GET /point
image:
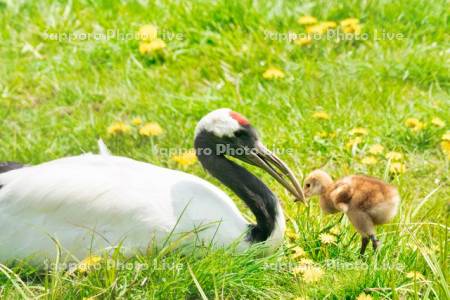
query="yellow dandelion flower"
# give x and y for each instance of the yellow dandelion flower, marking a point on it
(445, 146)
(157, 44)
(136, 121)
(395, 156)
(303, 41)
(316, 29)
(351, 25)
(151, 129)
(369, 160)
(397, 168)
(438, 122)
(349, 22)
(332, 134)
(307, 20)
(335, 230)
(297, 252)
(324, 134)
(355, 29)
(326, 238)
(86, 264)
(359, 131)
(118, 128)
(414, 124)
(328, 24)
(148, 33)
(321, 134)
(355, 141)
(186, 159)
(144, 48)
(419, 127)
(306, 262)
(376, 149)
(291, 234)
(415, 275)
(321, 115)
(446, 136)
(273, 73)
(312, 274)
(152, 47)
(364, 297)
(303, 265)
(300, 298)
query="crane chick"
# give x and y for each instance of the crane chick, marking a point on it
(367, 201)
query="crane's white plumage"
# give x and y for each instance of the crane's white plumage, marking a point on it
(92, 202)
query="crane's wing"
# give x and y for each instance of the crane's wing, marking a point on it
(97, 201)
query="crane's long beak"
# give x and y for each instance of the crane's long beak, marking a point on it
(263, 158)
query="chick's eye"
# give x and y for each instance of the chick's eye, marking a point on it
(308, 185)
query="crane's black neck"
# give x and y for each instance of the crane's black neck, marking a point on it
(256, 195)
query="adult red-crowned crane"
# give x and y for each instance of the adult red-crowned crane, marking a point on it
(91, 202)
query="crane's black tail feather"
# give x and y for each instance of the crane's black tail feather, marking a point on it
(9, 166)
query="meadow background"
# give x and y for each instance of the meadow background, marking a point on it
(342, 105)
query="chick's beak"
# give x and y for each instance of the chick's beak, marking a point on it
(263, 158)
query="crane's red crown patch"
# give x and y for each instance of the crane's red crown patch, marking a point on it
(241, 120)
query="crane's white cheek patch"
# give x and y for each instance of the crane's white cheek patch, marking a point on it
(218, 122)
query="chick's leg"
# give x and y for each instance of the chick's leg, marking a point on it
(363, 224)
(375, 242)
(364, 242)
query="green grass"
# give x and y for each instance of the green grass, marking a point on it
(58, 100)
